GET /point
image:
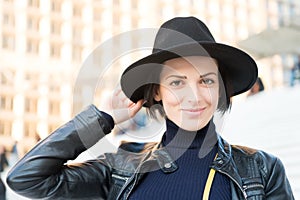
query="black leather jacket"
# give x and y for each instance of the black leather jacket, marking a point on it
(43, 172)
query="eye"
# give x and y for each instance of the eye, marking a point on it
(207, 81)
(176, 83)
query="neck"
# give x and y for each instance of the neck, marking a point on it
(175, 137)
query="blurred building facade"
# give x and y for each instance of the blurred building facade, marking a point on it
(43, 44)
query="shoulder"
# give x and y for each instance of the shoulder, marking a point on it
(266, 162)
(259, 167)
(248, 152)
(251, 152)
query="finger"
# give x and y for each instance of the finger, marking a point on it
(135, 107)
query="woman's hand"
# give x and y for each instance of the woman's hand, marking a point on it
(122, 108)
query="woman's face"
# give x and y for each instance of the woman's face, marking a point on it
(189, 91)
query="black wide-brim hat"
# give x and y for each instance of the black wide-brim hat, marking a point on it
(188, 36)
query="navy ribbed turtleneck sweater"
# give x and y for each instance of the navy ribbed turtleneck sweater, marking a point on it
(188, 181)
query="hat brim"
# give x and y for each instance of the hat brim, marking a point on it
(240, 67)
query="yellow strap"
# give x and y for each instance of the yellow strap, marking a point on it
(208, 184)
(209, 181)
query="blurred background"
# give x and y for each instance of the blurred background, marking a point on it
(44, 44)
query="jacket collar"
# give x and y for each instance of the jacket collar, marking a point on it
(158, 154)
(168, 164)
(224, 162)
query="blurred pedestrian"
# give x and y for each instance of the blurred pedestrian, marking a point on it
(295, 72)
(188, 78)
(2, 190)
(257, 87)
(3, 165)
(3, 159)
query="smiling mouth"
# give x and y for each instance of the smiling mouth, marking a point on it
(194, 110)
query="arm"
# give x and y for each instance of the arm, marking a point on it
(42, 173)
(5, 160)
(278, 186)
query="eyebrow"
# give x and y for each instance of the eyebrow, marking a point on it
(185, 77)
(207, 74)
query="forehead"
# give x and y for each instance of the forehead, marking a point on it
(193, 64)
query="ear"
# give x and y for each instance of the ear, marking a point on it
(157, 96)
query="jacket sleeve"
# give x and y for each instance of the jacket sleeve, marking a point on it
(277, 184)
(43, 172)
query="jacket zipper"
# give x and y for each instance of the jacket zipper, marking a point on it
(120, 177)
(132, 186)
(254, 185)
(241, 188)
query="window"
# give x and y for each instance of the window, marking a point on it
(7, 77)
(8, 41)
(56, 5)
(30, 129)
(55, 49)
(116, 2)
(6, 103)
(54, 107)
(33, 23)
(135, 4)
(30, 105)
(32, 46)
(34, 3)
(77, 10)
(9, 1)
(55, 27)
(30, 76)
(3, 78)
(5, 127)
(9, 19)
(54, 88)
(31, 79)
(2, 102)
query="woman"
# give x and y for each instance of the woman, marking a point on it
(3, 164)
(2, 190)
(3, 159)
(182, 80)
(256, 88)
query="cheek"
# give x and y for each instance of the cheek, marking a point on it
(169, 98)
(211, 96)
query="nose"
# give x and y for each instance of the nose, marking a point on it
(198, 93)
(194, 93)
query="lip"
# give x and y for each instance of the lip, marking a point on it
(193, 111)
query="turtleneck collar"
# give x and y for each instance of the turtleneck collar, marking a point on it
(175, 137)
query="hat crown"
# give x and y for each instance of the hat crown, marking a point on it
(181, 30)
